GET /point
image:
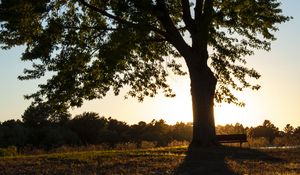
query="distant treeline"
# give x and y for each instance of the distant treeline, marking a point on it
(40, 130)
(86, 129)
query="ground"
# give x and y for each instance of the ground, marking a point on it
(169, 160)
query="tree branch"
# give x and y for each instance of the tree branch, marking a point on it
(105, 13)
(203, 15)
(207, 12)
(116, 18)
(199, 9)
(90, 27)
(173, 34)
(187, 18)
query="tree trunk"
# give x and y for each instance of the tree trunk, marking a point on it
(203, 85)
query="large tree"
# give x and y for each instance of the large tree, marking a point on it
(93, 46)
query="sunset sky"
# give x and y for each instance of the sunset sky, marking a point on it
(278, 100)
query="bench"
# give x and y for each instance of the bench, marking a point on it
(232, 138)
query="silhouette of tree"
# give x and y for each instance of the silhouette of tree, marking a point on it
(89, 127)
(94, 46)
(289, 137)
(36, 116)
(59, 136)
(182, 131)
(297, 134)
(13, 133)
(288, 129)
(160, 131)
(267, 130)
(43, 114)
(297, 131)
(116, 132)
(136, 133)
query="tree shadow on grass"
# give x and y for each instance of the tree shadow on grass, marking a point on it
(212, 161)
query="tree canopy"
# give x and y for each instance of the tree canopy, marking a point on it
(91, 47)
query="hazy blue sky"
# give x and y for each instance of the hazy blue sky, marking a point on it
(278, 100)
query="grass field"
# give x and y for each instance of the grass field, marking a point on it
(170, 160)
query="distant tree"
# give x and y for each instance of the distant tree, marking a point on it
(157, 131)
(13, 133)
(297, 134)
(239, 128)
(36, 116)
(297, 131)
(231, 129)
(136, 133)
(117, 132)
(94, 46)
(182, 131)
(267, 130)
(59, 136)
(89, 127)
(60, 118)
(289, 136)
(288, 129)
(269, 124)
(43, 114)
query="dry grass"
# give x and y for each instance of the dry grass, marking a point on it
(170, 160)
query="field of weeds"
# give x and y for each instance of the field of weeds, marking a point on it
(169, 160)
